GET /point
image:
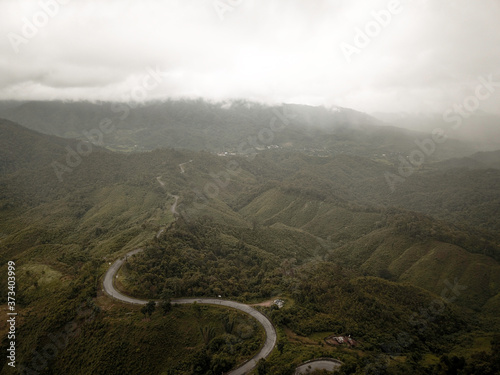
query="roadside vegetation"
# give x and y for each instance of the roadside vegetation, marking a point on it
(323, 233)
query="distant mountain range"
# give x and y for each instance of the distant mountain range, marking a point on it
(236, 127)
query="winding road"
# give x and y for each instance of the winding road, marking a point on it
(246, 367)
(173, 208)
(181, 166)
(327, 364)
(271, 336)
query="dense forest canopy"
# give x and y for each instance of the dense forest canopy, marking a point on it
(411, 274)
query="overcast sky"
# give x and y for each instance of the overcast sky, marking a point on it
(426, 57)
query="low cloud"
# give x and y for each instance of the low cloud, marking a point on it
(426, 58)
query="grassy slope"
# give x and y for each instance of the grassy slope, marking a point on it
(427, 264)
(356, 241)
(123, 341)
(287, 205)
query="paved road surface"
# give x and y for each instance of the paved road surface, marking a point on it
(173, 209)
(181, 166)
(320, 364)
(271, 336)
(160, 181)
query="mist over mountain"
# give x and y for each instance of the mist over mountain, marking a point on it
(480, 128)
(236, 126)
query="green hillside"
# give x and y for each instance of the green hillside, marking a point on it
(412, 275)
(238, 127)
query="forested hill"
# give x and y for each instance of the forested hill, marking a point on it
(324, 232)
(479, 160)
(24, 148)
(237, 126)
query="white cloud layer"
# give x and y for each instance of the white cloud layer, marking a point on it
(427, 57)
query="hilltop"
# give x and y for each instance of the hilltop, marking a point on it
(326, 233)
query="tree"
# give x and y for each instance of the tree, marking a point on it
(208, 333)
(262, 367)
(228, 322)
(201, 362)
(166, 306)
(221, 363)
(149, 308)
(281, 346)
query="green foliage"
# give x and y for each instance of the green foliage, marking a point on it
(166, 306)
(323, 233)
(201, 125)
(208, 333)
(262, 367)
(149, 308)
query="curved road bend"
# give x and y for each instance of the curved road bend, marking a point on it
(271, 336)
(181, 166)
(173, 208)
(318, 364)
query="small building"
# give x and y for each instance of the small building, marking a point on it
(340, 340)
(279, 302)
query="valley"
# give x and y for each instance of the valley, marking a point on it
(412, 275)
